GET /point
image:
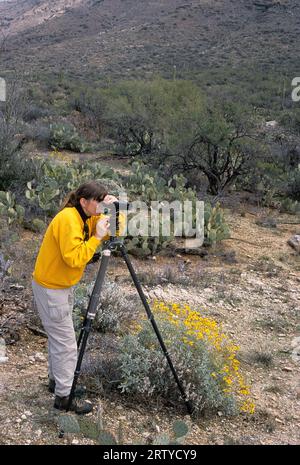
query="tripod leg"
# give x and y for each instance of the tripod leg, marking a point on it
(154, 325)
(89, 317)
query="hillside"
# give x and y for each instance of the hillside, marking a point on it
(117, 38)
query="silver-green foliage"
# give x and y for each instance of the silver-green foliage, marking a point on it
(145, 371)
(113, 306)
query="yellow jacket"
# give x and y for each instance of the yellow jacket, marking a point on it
(64, 254)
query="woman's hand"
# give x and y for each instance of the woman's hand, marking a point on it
(110, 199)
(102, 228)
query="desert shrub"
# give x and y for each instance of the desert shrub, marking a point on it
(139, 112)
(288, 205)
(293, 185)
(38, 131)
(34, 112)
(204, 358)
(11, 124)
(114, 307)
(65, 136)
(5, 268)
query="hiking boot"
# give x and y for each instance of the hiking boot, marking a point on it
(81, 407)
(79, 390)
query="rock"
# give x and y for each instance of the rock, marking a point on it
(273, 123)
(23, 417)
(294, 242)
(266, 222)
(16, 287)
(289, 369)
(39, 357)
(75, 441)
(279, 421)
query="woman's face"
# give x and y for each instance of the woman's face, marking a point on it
(89, 206)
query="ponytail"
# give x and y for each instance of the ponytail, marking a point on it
(69, 201)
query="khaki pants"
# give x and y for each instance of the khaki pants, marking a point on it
(55, 310)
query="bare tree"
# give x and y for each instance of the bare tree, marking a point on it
(11, 119)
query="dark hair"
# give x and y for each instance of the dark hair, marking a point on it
(88, 190)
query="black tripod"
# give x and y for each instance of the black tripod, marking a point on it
(116, 244)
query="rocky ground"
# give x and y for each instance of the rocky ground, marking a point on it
(249, 283)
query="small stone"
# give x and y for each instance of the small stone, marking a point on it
(24, 417)
(220, 414)
(28, 413)
(289, 369)
(279, 421)
(75, 441)
(38, 433)
(31, 358)
(39, 357)
(18, 420)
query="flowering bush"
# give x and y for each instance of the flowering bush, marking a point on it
(203, 356)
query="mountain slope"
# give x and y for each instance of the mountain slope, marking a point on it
(119, 38)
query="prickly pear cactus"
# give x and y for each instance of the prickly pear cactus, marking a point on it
(11, 211)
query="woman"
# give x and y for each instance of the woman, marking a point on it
(69, 243)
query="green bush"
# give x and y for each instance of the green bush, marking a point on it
(290, 206)
(65, 136)
(293, 186)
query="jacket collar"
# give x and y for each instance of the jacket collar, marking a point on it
(79, 208)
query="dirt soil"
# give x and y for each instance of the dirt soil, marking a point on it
(249, 283)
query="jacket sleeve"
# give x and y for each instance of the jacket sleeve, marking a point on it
(75, 252)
